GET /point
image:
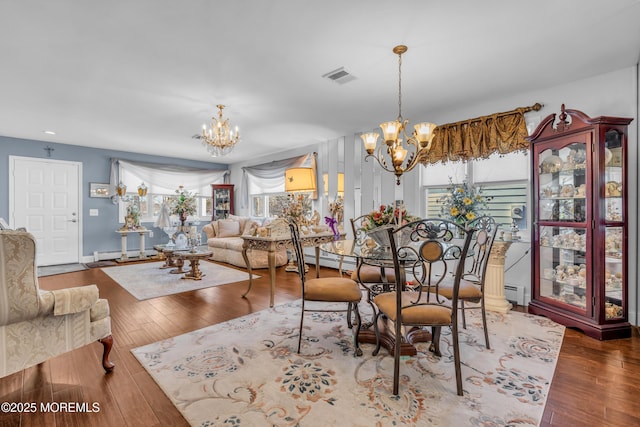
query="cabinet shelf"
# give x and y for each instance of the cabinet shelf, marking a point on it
(579, 261)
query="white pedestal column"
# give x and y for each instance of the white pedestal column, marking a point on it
(123, 242)
(494, 298)
(143, 255)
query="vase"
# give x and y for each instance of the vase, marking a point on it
(381, 236)
(183, 218)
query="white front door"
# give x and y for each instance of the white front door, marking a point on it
(44, 197)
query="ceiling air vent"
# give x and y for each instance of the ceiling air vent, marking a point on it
(341, 75)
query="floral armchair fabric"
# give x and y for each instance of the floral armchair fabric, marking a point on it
(35, 324)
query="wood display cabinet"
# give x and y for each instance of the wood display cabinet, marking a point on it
(579, 263)
(222, 201)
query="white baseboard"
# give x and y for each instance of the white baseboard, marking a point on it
(104, 256)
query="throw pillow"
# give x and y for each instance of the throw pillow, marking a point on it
(241, 219)
(228, 228)
(250, 229)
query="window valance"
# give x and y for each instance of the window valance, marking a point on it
(166, 176)
(270, 176)
(480, 137)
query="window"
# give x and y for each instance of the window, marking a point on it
(270, 205)
(508, 202)
(159, 180)
(502, 178)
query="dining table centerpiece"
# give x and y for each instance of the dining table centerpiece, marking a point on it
(183, 204)
(377, 222)
(463, 202)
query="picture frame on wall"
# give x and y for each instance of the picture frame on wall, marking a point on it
(97, 189)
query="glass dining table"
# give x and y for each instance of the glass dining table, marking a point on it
(367, 252)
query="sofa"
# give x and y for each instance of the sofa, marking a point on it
(36, 325)
(224, 239)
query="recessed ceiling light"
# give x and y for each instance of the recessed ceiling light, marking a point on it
(49, 132)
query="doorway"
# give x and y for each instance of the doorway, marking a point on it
(44, 198)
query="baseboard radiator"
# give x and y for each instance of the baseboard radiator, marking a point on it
(514, 293)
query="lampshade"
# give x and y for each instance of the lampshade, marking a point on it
(299, 179)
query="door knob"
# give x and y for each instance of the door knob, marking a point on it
(72, 220)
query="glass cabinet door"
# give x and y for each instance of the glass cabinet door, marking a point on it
(563, 266)
(563, 184)
(613, 274)
(222, 201)
(613, 173)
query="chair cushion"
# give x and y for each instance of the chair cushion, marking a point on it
(336, 289)
(371, 274)
(468, 290)
(433, 314)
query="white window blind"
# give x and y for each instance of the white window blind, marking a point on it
(505, 197)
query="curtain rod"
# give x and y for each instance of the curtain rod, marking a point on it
(535, 107)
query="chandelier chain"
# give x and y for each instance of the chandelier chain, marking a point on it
(400, 87)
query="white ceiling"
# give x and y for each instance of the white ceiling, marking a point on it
(144, 75)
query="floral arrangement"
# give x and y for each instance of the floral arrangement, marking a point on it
(463, 202)
(336, 209)
(295, 208)
(387, 214)
(184, 203)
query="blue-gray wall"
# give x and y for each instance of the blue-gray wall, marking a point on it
(98, 231)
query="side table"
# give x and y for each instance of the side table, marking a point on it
(123, 239)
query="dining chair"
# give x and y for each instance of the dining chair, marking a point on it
(429, 254)
(474, 276)
(365, 273)
(326, 289)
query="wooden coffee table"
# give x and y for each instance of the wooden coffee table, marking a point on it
(194, 260)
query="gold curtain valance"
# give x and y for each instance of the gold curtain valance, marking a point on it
(480, 137)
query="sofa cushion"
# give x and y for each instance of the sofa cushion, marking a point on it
(228, 228)
(234, 244)
(242, 220)
(223, 242)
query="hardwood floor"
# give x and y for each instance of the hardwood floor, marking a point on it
(596, 383)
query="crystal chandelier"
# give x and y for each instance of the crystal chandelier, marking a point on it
(219, 139)
(394, 148)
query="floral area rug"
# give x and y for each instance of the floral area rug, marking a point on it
(245, 372)
(147, 280)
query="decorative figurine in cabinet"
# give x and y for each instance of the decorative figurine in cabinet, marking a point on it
(579, 262)
(222, 201)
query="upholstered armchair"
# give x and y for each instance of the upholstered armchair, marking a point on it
(35, 324)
